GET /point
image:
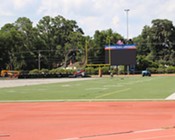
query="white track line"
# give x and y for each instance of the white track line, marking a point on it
(149, 130)
(171, 97)
(152, 138)
(79, 100)
(129, 132)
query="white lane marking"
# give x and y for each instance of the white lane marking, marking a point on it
(149, 130)
(130, 132)
(78, 100)
(152, 138)
(171, 97)
(110, 93)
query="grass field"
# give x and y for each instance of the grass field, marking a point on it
(158, 87)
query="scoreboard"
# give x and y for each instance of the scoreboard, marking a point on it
(120, 54)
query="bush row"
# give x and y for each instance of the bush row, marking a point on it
(89, 70)
(121, 70)
(53, 71)
(94, 71)
(45, 73)
(162, 70)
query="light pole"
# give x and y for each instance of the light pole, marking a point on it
(127, 22)
(127, 28)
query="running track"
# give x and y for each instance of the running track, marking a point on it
(88, 121)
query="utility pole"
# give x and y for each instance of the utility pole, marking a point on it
(86, 48)
(39, 59)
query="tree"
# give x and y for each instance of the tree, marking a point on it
(12, 41)
(143, 42)
(157, 43)
(25, 51)
(5, 46)
(58, 35)
(163, 39)
(100, 39)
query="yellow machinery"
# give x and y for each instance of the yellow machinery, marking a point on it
(10, 73)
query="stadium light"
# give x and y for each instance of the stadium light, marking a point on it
(127, 23)
(127, 26)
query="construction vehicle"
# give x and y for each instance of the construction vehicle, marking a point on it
(10, 73)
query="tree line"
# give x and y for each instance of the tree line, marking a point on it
(22, 44)
(52, 42)
(156, 45)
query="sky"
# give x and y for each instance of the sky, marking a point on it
(92, 15)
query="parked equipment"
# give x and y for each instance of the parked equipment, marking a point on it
(10, 73)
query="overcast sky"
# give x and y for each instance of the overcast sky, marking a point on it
(92, 15)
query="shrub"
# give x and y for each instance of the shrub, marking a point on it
(152, 70)
(160, 70)
(121, 70)
(170, 69)
(105, 70)
(34, 71)
(53, 71)
(44, 71)
(90, 70)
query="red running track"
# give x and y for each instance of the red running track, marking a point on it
(88, 121)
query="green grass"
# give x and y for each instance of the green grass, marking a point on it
(102, 88)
